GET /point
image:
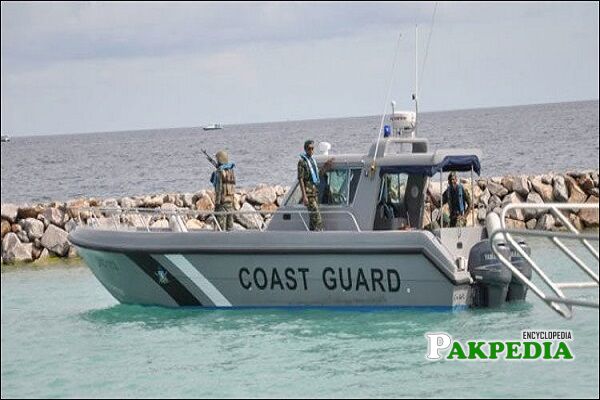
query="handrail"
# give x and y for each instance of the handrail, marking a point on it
(194, 213)
(560, 303)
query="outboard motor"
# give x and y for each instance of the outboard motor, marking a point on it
(490, 275)
(517, 290)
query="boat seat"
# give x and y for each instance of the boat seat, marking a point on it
(176, 224)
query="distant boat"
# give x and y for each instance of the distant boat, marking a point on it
(5, 139)
(213, 127)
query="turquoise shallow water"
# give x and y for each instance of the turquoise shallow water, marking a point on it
(63, 335)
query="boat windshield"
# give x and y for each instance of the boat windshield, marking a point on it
(337, 188)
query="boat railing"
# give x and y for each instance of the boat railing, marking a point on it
(555, 297)
(136, 218)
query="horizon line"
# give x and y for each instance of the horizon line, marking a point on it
(295, 120)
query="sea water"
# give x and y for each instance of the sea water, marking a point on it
(63, 335)
(514, 140)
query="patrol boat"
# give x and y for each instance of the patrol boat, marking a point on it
(213, 127)
(375, 250)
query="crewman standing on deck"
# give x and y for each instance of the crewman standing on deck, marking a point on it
(458, 200)
(223, 179)
(309, 178)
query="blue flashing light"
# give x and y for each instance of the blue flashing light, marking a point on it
(387, 131)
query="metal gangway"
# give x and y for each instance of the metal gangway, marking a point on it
(556, 299)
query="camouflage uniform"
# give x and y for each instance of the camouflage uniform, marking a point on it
(450, 197)
(312, 195)
(224, 197)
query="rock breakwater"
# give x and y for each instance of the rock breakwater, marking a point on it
(35, 232)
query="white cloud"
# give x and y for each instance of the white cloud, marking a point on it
(110, 66)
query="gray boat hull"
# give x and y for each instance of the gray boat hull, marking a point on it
(275, 269)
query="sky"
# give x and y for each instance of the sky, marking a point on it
(78, 67)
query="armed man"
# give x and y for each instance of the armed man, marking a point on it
(309, 178)
(223, 179)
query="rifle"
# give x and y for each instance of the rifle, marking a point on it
(210, 159)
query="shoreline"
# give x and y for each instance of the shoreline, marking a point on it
(34, 234)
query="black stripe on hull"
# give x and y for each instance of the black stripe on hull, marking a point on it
(174, 288)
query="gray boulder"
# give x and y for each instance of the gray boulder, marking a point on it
(170, 198)
(22, 235)
(280, 190)
(74, 208)
(497, 189)
(72, 252)
(44, 256)
(5, 227)
(586, 183)
(521, 185)
(153, 201)
(494, 202)
(547, 179)
(110, 203)
(187, 200)
(70, 226)
(160, 224)
(481, 213)
(508, 182)
(530, 213)
(590, 217)
(33, 227)
(36, 251)
(262, 195)
(250, 219)
(476, 192)
(15, 251)
(194, 225)
(545, 223)
(168, 207)
(9, 212)
(576, 194)
(513, 198)
(577, 174)
(559, 190)
(54, 216)
(204, 203)
(138, 221)
(238, 227)
(542, 189)
(576, 221)
(485, 197)
(594, 176)
(515, 224)
(280, 200)
(55, 240)
(128, 202)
